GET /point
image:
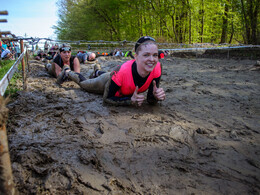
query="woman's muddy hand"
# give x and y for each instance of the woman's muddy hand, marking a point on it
(137, 99)
(158, 93)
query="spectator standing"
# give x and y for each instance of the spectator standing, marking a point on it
(4, 45)
(17, 51)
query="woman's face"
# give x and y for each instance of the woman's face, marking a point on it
(147, 58)
(65, 56)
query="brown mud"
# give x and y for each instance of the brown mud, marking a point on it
(203, 139)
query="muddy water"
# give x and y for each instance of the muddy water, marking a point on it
(203, 139)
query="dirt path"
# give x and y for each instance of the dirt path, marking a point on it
(204, 139)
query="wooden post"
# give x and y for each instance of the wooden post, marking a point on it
(23, 67)
(27, 59)
(5, 33)
(3, 12)
(6, 177)
(3, 20)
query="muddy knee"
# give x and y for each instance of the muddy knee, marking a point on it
(96, 85)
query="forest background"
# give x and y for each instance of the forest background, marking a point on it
(172, 21)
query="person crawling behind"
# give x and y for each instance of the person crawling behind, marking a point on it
(126, 85)
(84, 57)
(63, 59)
(162, 54)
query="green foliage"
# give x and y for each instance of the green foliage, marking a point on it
(178, 21)
(5, 65)
(13, 88)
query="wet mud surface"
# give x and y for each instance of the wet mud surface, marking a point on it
(203, 139)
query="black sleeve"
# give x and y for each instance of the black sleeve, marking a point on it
(57, 59)
(113, 88)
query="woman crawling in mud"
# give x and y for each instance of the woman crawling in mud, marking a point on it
(125, 85)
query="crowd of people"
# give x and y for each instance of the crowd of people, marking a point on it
(9, 49)
(123, 86)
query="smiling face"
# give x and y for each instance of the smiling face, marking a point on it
(146, 58)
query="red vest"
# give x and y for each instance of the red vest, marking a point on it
(124, 79)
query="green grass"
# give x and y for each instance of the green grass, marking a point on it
(12, 88)
(5, 65)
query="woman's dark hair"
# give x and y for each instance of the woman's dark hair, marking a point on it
(141, 40)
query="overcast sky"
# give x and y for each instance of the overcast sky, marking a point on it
(31, 17)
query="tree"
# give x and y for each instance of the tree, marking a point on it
(225, 23)
(250, 10)
(180, 21)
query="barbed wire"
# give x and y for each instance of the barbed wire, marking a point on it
(176, 46)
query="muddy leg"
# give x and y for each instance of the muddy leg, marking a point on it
(95, 85)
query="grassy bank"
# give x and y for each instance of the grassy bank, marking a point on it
(5, 65)
(13, 86)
